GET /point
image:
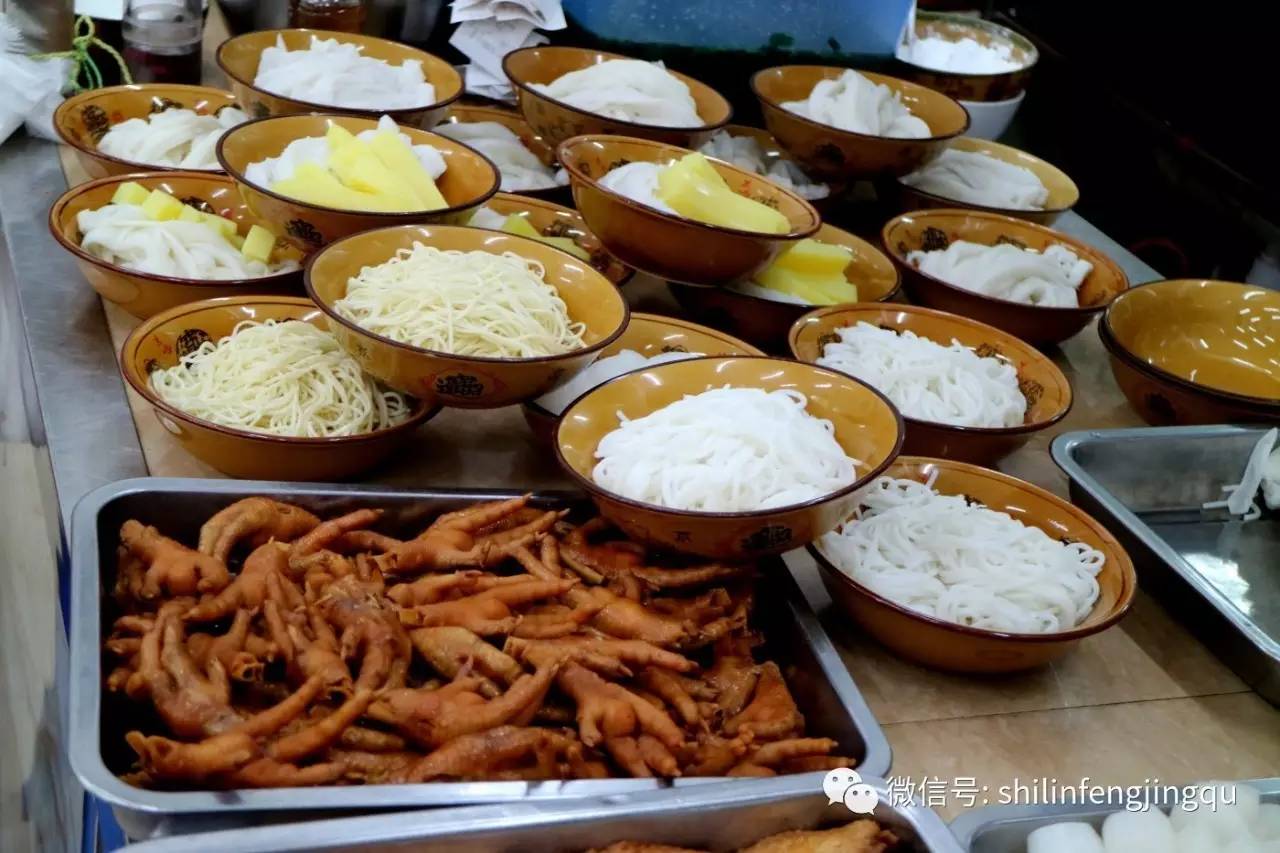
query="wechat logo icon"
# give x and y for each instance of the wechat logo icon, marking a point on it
(844, 785)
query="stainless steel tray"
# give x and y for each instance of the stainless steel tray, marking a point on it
(1004, 829)
(717, 817)
(1221, 578)
(821, 684)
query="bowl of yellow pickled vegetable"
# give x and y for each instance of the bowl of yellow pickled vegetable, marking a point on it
(319, 178)
(832, 267)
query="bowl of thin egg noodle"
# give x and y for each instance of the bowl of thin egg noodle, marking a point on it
(152, 240)
(678, 214)
(1039, 285)
(571, 91)
(467, 317)
(256, 387)
(841, 124)
(966, 569)
(967, 391)
(832, 267)
(320, 178)
(729, 457)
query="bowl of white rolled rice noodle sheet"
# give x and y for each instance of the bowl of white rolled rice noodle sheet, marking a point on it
(967, 391)
(1038, 284)
(525, 161)
(966, 569)
(983, 175)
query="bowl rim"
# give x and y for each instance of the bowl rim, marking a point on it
(524, 86)
(1119, 350)
(576, 175)
(1096, 257)
(1123, 605)
(422, 411)
(1008, 32)
(829, 129)
(329, 108)
(333, 315)
(1004, 211)
(60, 113)
(948, 317)
(55, 215)
(859, 481)
(239, 178)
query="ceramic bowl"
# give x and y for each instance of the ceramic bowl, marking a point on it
(466, 382)
(670, 246)
(766, 322)
(238, 58)
(959, 648)
(773, 152)
(1035, 324)
(965, 86)
(469, 180)
(82, 120)
(1193, 351)
(990, 119)
(556, 121)
(1047, 391)
(649, 335)
(1063, 193)
(829, 153)
(514, 122)
(556, 220)
(143, 294)
(867, 427)
(161, 340)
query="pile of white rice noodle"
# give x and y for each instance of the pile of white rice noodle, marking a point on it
(725, 450)
(977, 178)
(745, 153)
(520, 168)
(854, 103)
(600, 372)
(336, 74)
(927, 381)
(1005, 271)
(628, 90)
(176, 138)
(315, 149)
(941, 556)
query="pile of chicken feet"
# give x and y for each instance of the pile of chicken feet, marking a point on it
(502, 643)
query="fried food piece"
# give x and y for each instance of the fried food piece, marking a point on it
(230, 650)
(430, 589)
(313, 738)
(712, 755)
(375, 768)
(659, 578)
(304, 550)
(162, 758)
(746, 768)
(480, 754)
(612, 655)
(733, 674)
(607, 560)
(817, 763)
(723, 626)
(630, 620)
(361, 739)
(779, 752)
(131, 573)
(772, 712)
(488, 612)
(257, 520)
(363, 541)
(449, 649)
(859, 836)
(269, 773)
(250, 587)
(554, 621)
(194, 702)
(607, 710)
(368, 628)
(670, 688)
(309, 647)
(454, 540)
(643, 756)
(643, 847)
(171, 567)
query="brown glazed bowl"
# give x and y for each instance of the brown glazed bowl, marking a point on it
(766, 322)
(465, 382)
(959, 648)
(143, 294)
(1063, 193)
(555, 121)
(670, 246)
(162, 339)
(1034, 324)
(238, 58)
(83, 119)
(514, 122)
(831, 154)
(1194, 351)
(556, 220)
(866, 426)
(649, 335)
(468, 182)
(973, 87)
(1047, 390)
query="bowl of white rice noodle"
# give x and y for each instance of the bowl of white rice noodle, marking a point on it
(968, 58)
(525, 161)
(256, 387)
(728, 457)
(967, 391)
(1040, 285)
(572, 91)
(966, 569)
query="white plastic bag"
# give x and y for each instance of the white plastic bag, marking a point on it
(30, 89)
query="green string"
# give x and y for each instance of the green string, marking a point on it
(86, 37)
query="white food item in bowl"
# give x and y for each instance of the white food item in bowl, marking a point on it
(336, 74)
(315, 149)
(637, 181)
(750, 288)
(1146, 831)
(600, 372)
(745, 153)
(962, 56)
(177, 138)
(1049, 279)
(854, 103)
(487, 217)
(628, 90)
(1070, 837)
(977, 178)
(520, 168)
